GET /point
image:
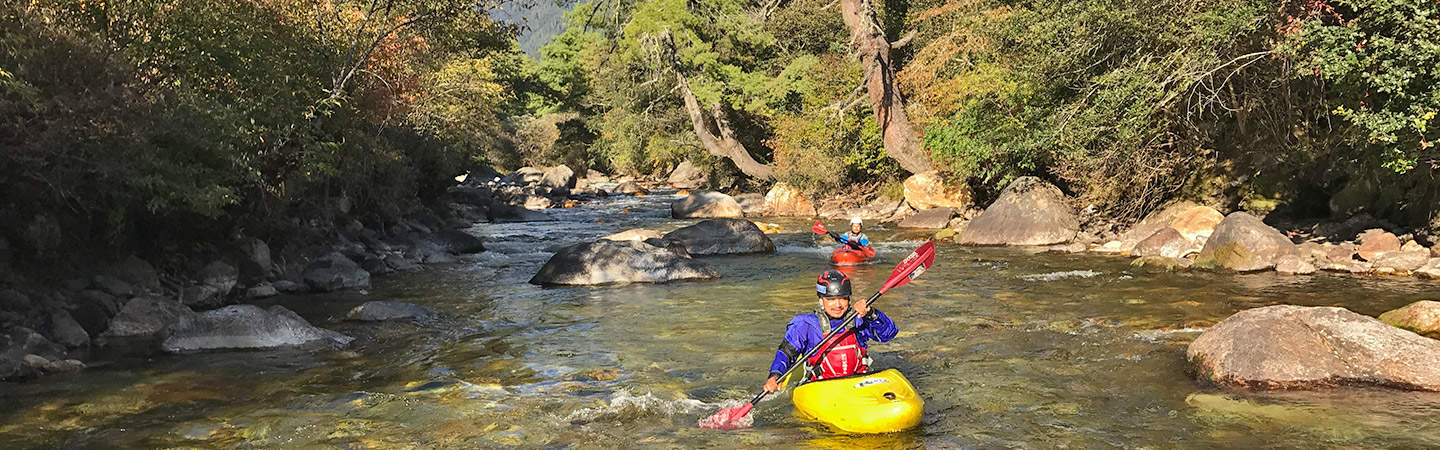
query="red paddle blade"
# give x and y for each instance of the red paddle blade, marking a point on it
(729, 418)
(911, 267)
(818, 228)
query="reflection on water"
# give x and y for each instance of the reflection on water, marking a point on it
(1009, 349)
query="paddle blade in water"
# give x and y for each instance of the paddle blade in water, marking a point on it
(729, 418)
(818, 228)
(911, 267)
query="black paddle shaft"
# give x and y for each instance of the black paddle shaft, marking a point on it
(836, 236)
(845, 323)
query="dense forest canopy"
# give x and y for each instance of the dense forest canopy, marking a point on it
(122, 115)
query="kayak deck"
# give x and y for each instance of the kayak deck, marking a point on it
(879, 402)
(848, 256)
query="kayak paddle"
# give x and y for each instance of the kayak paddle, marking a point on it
(819, 228)
(910, 268)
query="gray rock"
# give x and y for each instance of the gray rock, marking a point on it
(751, 204)
(94, 309)
(335, 272)
(1296, 347)
(63, 366)
(1294, 265)
(263, 290)
(1154, 222)
(631, 188)
(36, 361)
(137, 272)
(686, 176)
(113, 286)
(459, 242)
(1167, 242)
(217, 279)
(288, 286)
(508, 213)
(247, 326)
(559, 176)
(255, 261)
(526, 176)
(401, 263)
(376, 311)
(608, 262)
(146, 318)
(66, 330)
(934, 219)
(704, 205)
(722, 236)
(1422, 317)
(1243, 243)
(1400, 261)
(1028, 212)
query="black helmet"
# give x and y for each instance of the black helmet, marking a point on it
(832, 283)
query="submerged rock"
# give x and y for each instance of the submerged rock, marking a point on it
(1028, 212)
(703, 205)
(1243, 243)
(608, 262)
(1422, 317)
(246, 326)
(722, 236)
(376, 311)
(1296, 347)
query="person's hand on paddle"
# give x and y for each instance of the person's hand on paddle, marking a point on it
(772, 384)
(862, 308)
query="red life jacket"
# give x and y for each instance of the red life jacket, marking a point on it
(840, 356)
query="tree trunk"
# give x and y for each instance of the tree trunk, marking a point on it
(901, 141)
(724, 145)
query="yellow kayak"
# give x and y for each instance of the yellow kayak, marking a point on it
(879, 402)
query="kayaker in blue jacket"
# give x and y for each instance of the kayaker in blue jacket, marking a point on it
(843, 354)
(854, 238)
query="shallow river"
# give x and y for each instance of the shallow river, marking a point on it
(1008, 349)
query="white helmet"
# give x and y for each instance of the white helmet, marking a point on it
(855, 221)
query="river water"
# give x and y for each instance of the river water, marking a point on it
(1009, 350)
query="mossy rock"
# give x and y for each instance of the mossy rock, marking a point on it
(1422, 318)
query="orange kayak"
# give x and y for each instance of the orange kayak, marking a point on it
(846, 256)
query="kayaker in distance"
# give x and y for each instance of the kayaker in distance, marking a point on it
(843, 354)
(854, 238)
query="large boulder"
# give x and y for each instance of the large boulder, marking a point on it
(504, 213)
(1376, 242)
(631, 188)
(558, 177)
(705, 205)
(459, 242)
(933, 219)
(787, 200)
(145, 319)
(722, 236)
(1296, 347)
(1243, 243)
(609, 262)
(137, 272)
(217, 279)
(255, 262)
(1028, 212)
(1401, 261)
(751, 204)
(246, 326)
(379, 311)
(1152, 223)
(1422, 317)
(1167, 242)
(66, 330)
(927, 190)
(526, 176)
(1198, 223)
(686, 176)
(335, 272)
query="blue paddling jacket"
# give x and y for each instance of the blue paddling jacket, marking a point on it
(858, 238)
(804, 332)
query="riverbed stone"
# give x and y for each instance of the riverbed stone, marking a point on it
(1374, 242)
(246, 327)
(526, 176)
(631, 188)
(1294, 265)
(137, 272)
(334, 272)
(1197, 223)
(722, 236)
(113, 286)
(932, 219)
(560, 176)
(262, 290)
(1028, 212)
(705, 205)
(786, 200)
(927, 190)
(751, 204)
(1401, 261)
(255, 262)
(882, 208)
(611, 262)
(635, 234)
(686, 176)
(1245, 244)
(1160, 219)
(66, 330)
(1297, 347)
(1167, 242)
(1157, 262)
(145, 318)
(379, 311)
(459, 242)
(1422, 317)
(216, 281)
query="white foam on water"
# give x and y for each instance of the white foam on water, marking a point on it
(624, 407)
(1157, 335)
(719, 421)
(1052, 276)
